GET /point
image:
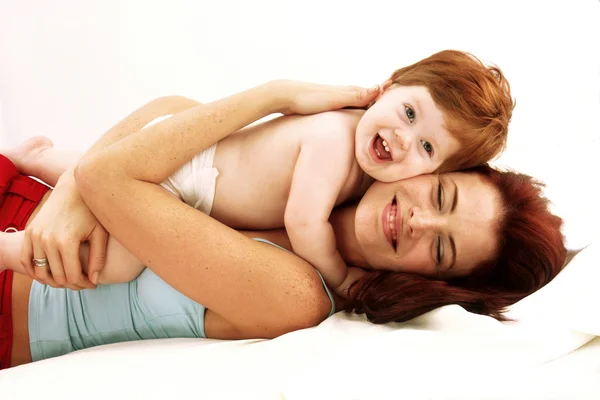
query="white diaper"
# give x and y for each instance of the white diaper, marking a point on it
(195, 182)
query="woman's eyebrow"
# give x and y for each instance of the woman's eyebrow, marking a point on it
(455, 199)
(453, 247)
(452, 209)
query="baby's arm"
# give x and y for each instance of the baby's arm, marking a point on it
(321, 171)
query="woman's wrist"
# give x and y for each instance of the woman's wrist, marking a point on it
(276, 96)
(293, 97)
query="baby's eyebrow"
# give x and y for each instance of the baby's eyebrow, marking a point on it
(418, 106)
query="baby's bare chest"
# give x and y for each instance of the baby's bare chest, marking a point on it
(256, 175)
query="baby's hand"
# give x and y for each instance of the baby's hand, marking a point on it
(310, 98)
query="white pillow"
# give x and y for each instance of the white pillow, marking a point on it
(571, 300)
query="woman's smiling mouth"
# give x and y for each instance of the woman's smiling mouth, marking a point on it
(391, 220)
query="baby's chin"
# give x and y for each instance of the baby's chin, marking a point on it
(383, 172)
(386, 173)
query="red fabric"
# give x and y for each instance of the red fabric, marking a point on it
(19, 195)
(6, 329)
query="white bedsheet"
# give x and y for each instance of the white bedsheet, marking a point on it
(446, 354)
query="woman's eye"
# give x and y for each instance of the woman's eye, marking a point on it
(427, 146)
(439, 250)
(439, 194)
(410, 113)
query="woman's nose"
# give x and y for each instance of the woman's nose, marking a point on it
(422, 221)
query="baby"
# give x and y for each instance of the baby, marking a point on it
(446, 112)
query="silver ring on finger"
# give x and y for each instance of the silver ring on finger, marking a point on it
(40, 262)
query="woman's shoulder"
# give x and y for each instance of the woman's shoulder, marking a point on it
(299, 279)
(307, 300)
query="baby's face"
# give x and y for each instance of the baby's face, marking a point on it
(403, 135)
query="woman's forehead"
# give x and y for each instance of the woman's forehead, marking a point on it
(474, 187)
(478, 209)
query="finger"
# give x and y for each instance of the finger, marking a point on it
(355, 88)
(43, 276)
(58, 276)
(27, 254)
(98, 242)
(55, 269)
(365, 96)
(72, 264)
(41, 273)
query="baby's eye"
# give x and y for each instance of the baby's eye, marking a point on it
(427, 146)
(410, 113)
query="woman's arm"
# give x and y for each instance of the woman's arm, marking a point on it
(65, 222)
(261, 291)
(135, 121)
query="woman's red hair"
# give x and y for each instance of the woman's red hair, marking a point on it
(531, 253)
(475, 99)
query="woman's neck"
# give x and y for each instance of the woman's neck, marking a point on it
(342, 221)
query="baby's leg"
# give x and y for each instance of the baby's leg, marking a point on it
(121, 265)
(37, 157)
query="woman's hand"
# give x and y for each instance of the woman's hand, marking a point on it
(56, 234)
(311, 98)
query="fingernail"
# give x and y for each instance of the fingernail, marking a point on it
(95, 278)
(374, 88)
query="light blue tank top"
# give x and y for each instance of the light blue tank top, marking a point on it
(62, 320)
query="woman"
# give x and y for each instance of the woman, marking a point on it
(249, 289)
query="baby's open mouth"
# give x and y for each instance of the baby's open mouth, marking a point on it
(381, 149)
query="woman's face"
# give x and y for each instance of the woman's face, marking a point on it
(433, 225)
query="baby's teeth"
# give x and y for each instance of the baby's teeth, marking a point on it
(385, 146)
(378, 153)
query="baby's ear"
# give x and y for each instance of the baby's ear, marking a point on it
(385, 86)
(382, 88)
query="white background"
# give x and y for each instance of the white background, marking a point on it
(70, 69)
